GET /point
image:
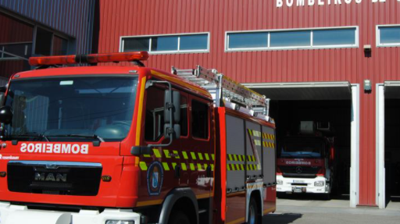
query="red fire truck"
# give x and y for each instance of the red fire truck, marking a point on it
(132, 144)
(306, 161)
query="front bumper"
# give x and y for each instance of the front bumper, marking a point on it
(16, 214)
(302, 185)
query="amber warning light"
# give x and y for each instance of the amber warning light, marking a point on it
(90, 58)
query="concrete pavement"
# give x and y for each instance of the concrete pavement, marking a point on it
(300, 211)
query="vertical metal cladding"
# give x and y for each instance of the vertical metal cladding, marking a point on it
(143, 17)
(72, 17)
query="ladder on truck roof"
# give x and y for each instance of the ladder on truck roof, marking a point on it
(225, 91)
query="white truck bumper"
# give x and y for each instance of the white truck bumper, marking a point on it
(16, 214)
(302, 185)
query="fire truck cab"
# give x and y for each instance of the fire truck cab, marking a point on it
(305, 162)
(132, 144)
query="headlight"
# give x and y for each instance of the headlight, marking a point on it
(320, 183)
(279, 182)
(120, 222)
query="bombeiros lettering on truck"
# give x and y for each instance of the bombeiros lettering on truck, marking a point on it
(54, 148)
(132, 144)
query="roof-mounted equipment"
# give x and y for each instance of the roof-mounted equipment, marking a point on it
(89, 59)
(226, 92)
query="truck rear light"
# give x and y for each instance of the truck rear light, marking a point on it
(90, 58)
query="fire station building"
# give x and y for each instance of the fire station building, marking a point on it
(334, 61)
(42, 27)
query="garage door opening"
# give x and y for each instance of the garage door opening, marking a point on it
(333, 104)
(388, 145)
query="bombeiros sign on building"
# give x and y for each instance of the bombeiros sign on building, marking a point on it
(302, 3)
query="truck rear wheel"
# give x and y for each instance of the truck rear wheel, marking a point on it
(253, 214)
(178, 217)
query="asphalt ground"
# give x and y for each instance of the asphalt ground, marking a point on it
(303, 211)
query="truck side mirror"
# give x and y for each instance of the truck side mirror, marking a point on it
(2, 92)
(175, 132)
(6, 114)
(172, 105)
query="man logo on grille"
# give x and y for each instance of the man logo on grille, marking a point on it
(299, 169)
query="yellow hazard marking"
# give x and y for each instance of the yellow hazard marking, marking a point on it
(228, 167)
(193, 155)
(240, 158)
(185, 156)
(166, 153)
(166, 166)
(213, 157)
(176, 153)
(199, 167)
(142, 165)
(173, 165)
(212, 167)
(237, 167)
(157, 153)
(235, 157)
(242, 167)
(200, 155)
(192, 167)
(230, 157)
(146, 155)
(184, 167)
(251, 134)
(254, 158)
(206, 155)
(248, 158)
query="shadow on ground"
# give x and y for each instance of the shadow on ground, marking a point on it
(316, 197)
(284, 218)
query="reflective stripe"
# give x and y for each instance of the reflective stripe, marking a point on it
(228, 167)
(176, 153)
(212, 167)
(166, 166)
(212, 156)
(206, 155)
(166, 153)
(142, 165)
(230, 157)
(193, 155)
(233, 167)
(235, 157)
(240, 158)
(173, 165)
(237, 166)
(185, 156)
(183, 165)
(199, 167)
(157, 153)
(200, 155)
(242, 167)
(251, 134)
(192, 167)
(146, 155)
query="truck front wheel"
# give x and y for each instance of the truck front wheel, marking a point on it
(178, 217)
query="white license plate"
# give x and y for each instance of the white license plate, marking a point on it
(298, 181)
(298, 190)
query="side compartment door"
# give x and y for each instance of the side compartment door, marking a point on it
(269, 166)
(235, 170)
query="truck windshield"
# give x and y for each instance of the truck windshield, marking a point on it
(71, 108)
(302, 148)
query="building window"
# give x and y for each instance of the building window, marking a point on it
(15, 51)
(182, 43)
(292, 39)
(388, 35)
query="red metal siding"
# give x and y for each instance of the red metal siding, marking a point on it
(13, 31)
(145, 17)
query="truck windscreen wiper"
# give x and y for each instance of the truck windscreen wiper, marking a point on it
(80, 136)
(30, 135)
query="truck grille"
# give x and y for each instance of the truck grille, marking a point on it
(60, 178)
(299, 171)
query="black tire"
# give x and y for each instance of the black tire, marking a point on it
(254, 216)
(326, 196)
(178, 217)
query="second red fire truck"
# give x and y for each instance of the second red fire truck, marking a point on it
(132, 144)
